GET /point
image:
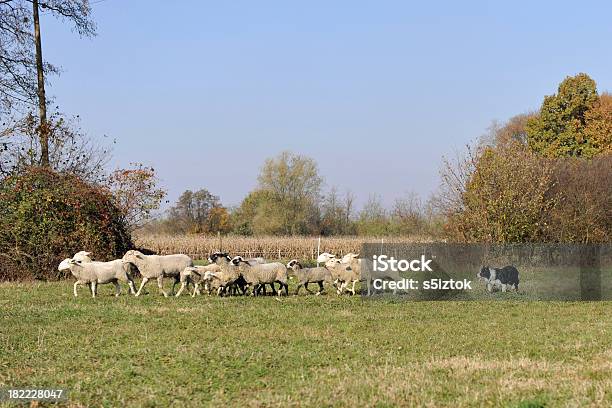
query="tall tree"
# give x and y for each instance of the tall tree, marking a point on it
(336, 213)
(191, 211)
(295, 187)
(559, 129)
(22, 68)
(599, 125)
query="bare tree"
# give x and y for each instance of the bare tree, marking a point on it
(408, 213)
(22, 68)
(136, 193)
(70, 149)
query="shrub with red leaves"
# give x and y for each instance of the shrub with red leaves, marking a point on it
(47, 216)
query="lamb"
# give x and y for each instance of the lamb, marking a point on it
(345, 271)
(228, 276)
(260, 274)
(366, 275)
(342, 274)
(309, 275)
(157, 267)
(355, 265)
(195, 275)
(93, 273)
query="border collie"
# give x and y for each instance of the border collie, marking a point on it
(499, 277)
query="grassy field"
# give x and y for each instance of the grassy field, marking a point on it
(303, 351)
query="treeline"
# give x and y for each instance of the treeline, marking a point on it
(289, 200)
(539, 177)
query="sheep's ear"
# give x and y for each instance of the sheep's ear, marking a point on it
(139, 256)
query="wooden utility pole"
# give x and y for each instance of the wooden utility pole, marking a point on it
(42, 101)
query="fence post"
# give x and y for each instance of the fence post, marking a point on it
(318, 250)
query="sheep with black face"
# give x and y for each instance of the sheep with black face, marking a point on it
(260, 274)
(228, 279)
(304, 276)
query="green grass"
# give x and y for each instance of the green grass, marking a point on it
(303, 351)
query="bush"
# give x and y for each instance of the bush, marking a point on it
(507, 194)
(47, 216)
(505, 197)
(584, 192)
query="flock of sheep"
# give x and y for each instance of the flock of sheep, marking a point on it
(223, 275)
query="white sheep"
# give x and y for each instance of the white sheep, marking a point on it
(196, 276)
(82, 256)
(355, 265)
(324, 257)
(305, 276)
(344, 271)
(228, 277)
(94, 273)
(158, 267)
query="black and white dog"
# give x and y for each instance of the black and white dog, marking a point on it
(500, 277)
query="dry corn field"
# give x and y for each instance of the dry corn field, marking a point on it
(272, 247)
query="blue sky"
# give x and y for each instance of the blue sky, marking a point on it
(377, 92)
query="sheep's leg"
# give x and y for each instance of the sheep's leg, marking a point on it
(320, 288)
(117, 288)
(176, 281)
(131, 285)
(77, 283)
(160, 285)
(183, 284)
(274, 293)
(196, 290)
(297, 290)
(336, 286)
(306, 287)
(94, 285)
(353, 287)
(142, 285)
